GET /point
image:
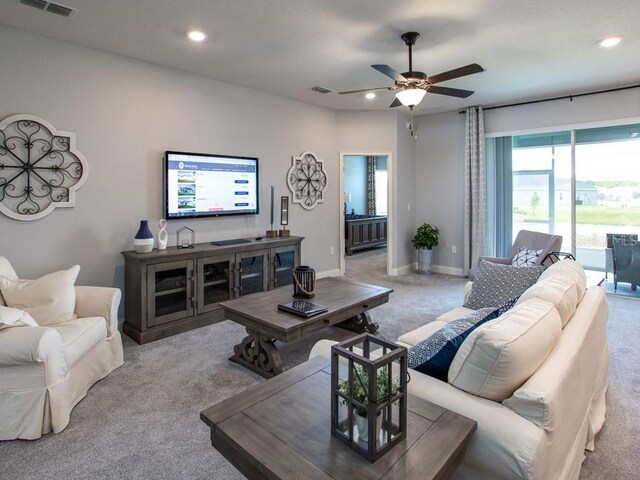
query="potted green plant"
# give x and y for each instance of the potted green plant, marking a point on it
(360, 392)
(425, 239)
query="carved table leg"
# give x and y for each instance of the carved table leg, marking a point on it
(257, 352)
(361, 323)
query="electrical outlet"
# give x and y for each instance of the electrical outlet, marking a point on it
(408, 207)
(454, 249)
(332, 250)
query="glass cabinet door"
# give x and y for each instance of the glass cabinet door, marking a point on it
(252, 272)
(283, 261)
(170, 290)
(215, 275)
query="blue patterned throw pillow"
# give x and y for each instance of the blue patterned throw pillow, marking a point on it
(495, 283)
(525, 257)
(434, 355)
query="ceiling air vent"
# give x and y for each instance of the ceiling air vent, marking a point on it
(50, 7)
(321, 89)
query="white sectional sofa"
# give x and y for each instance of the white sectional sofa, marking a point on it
(46, 370)
(541, 427)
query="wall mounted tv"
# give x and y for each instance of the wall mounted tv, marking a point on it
(208, 185)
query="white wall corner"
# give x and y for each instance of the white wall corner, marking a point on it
(404, 270)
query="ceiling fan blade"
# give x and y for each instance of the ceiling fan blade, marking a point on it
(455, 73)
(389, 72)
(395, 103)
(364, 90)
(451, 92)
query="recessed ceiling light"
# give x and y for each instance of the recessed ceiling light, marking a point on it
(369, 95)
(196, 36)
(610, 41)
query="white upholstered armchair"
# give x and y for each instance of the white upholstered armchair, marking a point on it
(46, 370)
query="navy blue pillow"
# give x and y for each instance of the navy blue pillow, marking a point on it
(433, 356)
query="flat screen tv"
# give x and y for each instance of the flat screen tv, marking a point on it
(209, 185)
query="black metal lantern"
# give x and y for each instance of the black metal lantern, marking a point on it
(369, 394)
(304, 282)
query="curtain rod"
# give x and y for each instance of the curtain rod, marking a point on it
(570, 97)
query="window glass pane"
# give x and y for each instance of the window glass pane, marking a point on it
(607, 193)
(381, 192)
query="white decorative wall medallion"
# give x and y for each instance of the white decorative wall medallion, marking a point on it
(40, 168)
(306, 180)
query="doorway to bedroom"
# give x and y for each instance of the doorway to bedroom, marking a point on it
(364, 213)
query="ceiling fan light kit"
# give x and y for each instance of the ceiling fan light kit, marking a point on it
(411, 86)
(411, 96)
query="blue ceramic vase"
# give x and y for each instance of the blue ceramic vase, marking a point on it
(143, 241)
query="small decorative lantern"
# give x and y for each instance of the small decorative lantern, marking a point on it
(369, 394)
(186, 237)
(304, 282)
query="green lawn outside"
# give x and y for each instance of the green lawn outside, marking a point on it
(585, 214)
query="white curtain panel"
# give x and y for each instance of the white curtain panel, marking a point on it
(475, 189)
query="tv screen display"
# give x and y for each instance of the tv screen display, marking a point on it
(209, 185)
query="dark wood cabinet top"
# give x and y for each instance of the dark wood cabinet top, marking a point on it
(208, 249)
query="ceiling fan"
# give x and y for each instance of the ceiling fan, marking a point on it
(412, 86)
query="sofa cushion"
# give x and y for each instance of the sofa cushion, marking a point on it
(50, 299)
(81, 335)
(6, 270)
(433, 355)
(494, 284)
(13, 317)
(572, 269)
(560, 290)
(498, 357)
(419, 334)
(526, 257)
(453, 314)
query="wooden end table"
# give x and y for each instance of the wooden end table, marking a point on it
(348, 302)
(281, 429)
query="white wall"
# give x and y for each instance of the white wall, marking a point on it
(355, 182)
(126, 113)
(599, 108)
(380, 132)
(440, 184)
(440, 154)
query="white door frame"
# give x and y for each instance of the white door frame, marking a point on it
(390, 207)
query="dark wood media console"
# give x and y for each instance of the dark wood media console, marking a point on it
(174, 290)
(364, 231)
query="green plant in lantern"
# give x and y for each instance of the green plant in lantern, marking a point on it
(359, 388)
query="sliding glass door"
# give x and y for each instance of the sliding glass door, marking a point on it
(541, 184)
(607, 172)
(581, 184)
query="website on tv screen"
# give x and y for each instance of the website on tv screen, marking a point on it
(209, 185)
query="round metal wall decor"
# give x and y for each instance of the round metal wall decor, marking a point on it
(306, 180)
(40, 168)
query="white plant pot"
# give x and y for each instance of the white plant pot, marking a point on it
(424, 260)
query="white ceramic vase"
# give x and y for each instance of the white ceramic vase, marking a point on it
(163, 236)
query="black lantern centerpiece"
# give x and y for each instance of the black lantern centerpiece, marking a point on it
(369, 394)
(304, 282)
(186, 237)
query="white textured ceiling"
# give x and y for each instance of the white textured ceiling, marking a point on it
(530, 48)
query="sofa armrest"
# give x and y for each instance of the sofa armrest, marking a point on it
(99, 302)
(20, 346)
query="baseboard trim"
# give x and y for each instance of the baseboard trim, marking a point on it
(329, 273)
(459, 272)
(403, 270)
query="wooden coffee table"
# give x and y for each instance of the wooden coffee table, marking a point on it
(348, 302)
(281, 429)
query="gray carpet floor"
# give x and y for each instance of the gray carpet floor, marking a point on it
(142, 421)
